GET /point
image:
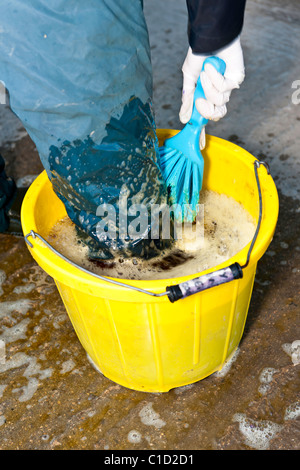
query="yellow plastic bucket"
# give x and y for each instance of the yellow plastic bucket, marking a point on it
(145, 342)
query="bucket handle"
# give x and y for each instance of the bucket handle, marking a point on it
(187, 288)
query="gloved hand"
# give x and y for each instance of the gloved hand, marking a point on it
(217, 88)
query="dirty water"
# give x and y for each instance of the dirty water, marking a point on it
(223, 228)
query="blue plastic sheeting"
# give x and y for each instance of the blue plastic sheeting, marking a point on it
(80, 80)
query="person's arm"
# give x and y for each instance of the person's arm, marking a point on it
(214, 27)
(213, 24)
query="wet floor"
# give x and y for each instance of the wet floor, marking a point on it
(51, 397)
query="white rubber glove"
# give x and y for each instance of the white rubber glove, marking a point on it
(217, 88)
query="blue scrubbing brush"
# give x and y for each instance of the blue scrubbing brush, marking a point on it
(181, 161)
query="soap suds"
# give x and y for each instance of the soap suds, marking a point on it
(257, 434)
(2, 388)
(16, 332)
(265, 378)
(67, 366)
(227, 365)
(292, 411)
(2, 279)
(33, 369)
(134, 437)
(2, 352)
(24, 289)
(21, 306)
(150, 417)
(293, 350)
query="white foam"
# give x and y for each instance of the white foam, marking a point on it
(2, 352)
(32, 370)
(93, 364)
(16, 311)
(27, 390)
(150, 417)
(292, 411)
(2, 279)
(227, 366)
(257, 434)
(21, 306)
(182, 389)
(24, 289)
(67, 366)
(16, 332)
(13, 309)
(265, 378)
(134, 437)
(293, 350)
(2, 388)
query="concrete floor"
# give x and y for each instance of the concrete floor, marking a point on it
(53, 398)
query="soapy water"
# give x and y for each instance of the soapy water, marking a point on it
(227, 228)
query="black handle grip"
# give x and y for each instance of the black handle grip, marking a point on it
(199, 284)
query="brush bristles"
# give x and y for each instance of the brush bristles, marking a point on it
(184, 179)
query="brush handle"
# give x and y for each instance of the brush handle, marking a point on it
(220, 66)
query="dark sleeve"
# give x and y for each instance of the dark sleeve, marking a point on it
(212, 24)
